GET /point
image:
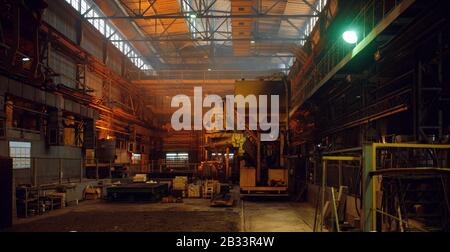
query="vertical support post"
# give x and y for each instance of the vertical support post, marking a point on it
(60, 171)
(81, 169)
(368, 220)
(205, 139)
(96, 169)
(35, 172)
(36, 51)
(282, 149)
(13, 190)
(419, 87)
(105, 55)
(110, 167)
(258, 159)
(323, 190)
(227, 162)
(341, 182)
(12, 54)
(79, 32)
(335, 212)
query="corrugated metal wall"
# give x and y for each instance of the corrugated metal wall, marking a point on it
(93, 43)
(65, 67)
(114, 61)
(61, 23)
(94, 82)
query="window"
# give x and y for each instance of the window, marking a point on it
(20, 152)
(94, 16)
(230, 155)
(84, 7)
(191, 21)
(136, 158)
(177, 160)
(319, 6)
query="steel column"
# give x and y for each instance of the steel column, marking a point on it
(368, 217)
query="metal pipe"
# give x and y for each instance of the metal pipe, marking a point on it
(336, 218)
(322, 201)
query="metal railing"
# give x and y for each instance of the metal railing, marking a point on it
(45, 171)
(367, 21)
(54, 171)
(373, 173)
(210, 75)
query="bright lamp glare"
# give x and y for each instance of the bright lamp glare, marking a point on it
(350, 37)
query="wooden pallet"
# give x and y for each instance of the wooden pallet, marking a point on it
(209, 189)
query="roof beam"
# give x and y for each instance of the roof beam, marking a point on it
(313, 8)
(213, 40)
(210, 6)
(273, 6)
(231, 56)
(247, 16)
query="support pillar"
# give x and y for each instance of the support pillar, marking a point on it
(56, 128)
(258, 159)
(227, 162)
(368, 217)
(282, 142)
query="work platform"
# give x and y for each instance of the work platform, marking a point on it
(140, 192)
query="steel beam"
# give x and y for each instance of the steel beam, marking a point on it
(370, 173)
(249, 16)
(211, 40)
(273, 6)
(307, 92)
(341, 158)
(410, 171)
(411, 146)
(226, 56)
(368, 217)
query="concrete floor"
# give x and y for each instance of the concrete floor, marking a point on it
(277, 216)
(193, 215)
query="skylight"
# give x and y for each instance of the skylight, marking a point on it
(311, 23)
(199, 28)
(191, 18)
(91, 12)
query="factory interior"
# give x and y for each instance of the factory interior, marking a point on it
(224, 116)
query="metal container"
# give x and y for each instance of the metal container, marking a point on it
(106, 151)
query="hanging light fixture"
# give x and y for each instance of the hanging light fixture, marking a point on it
(350, 37)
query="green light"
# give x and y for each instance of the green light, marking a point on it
(350, 37)
(193, 15)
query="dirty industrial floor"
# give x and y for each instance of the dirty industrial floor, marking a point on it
(193, 215)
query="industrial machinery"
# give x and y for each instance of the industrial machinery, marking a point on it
(137, 192)
(262, 169)
(398, 187)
